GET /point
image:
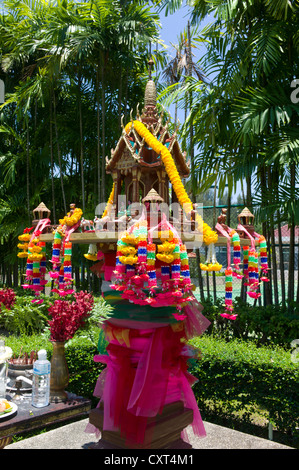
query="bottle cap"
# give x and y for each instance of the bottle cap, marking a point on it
(42, 354)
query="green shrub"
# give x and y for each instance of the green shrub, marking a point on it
(83, 370)
(272, 324)
(234, 377)
(238, 376)
(79, 353)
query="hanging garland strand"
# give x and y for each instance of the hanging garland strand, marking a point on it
(209, 236)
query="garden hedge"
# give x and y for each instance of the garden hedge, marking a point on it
(239, 377)
(232, 376)
(270, 324)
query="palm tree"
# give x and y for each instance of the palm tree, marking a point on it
(245, 120)
(52, 60)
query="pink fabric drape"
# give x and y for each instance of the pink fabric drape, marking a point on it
(141, 379)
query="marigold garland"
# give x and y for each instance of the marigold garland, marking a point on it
(136, 270)
(110, 201)
(62, 253)
(209, 236)
(35, 251)
(73, 219)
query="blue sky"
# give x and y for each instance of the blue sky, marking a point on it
(172, 25)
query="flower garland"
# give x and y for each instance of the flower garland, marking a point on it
(73, 219)
(211, 263)
(245, 260)
(62, 253)
(250, 269)
(150, 274)
(236, 248)
(209, 236)
(35, 251)
(92, 253)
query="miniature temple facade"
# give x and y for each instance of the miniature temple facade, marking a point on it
(135, 167)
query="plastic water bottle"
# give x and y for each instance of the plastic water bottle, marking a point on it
(41, 380)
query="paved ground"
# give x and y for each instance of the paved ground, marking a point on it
(73, 436)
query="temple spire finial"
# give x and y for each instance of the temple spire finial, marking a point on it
(150, 65)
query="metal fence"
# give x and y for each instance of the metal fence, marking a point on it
(213, 285)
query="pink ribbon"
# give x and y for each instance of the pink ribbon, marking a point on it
(240, 227)
(226, 235)
(163, 225)
(40, 227)
(70, 230)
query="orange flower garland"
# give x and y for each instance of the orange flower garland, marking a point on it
(71, 220)
(110, 201)
(209, 236)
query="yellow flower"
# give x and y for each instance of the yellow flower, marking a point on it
(166, 247)
(25, 237)
(128, 250)
(35, 257)
(165, 258)
(165, 235)
(210, 267)
(129, 239)
(73, 219)
(90, 257)
(22, 246)
(209, 236)
(36, 249)
(128, 259)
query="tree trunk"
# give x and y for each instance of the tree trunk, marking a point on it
(15, 274)
(248, 194)
(120, 91)
(272, 237)
(58, 152)
(52, 163)
(291, 278)
(199, 273)
(229, 206)
(81, 139)
(103, 137)
(281, 261)
(98, 132)
(27, 173)
(268, 285)
(126, 96)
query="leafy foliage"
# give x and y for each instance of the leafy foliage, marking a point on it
(268, 325)
(24, 317)
(71, 70)
(242, 117)
(239, 377)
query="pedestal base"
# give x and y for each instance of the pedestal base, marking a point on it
(161, 430)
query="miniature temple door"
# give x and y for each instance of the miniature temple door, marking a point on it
(135, 182)
(163, 185)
